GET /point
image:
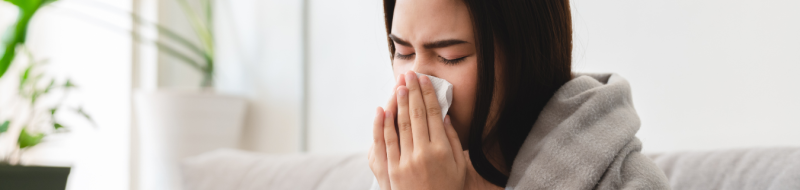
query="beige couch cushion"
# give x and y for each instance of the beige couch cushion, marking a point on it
(235, 169)
(757, 168)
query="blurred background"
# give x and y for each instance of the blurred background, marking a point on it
(304, 76)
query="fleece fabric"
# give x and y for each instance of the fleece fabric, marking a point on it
(584, 139)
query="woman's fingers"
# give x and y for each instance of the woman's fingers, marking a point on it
(404, 122)
(455, 144)
(434, 111)
(392, 104)
(389, 130)
(378, 157)
(390, 136)
(370, 153)
(379, 145)
(417, 111)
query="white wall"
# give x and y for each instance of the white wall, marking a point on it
(709, 74)
(349, 73)
(98, 59)
(260, 56)
(705, 74)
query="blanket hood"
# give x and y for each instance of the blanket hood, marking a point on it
(584, 139)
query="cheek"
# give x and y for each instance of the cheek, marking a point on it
(464, 89)
(463, 103)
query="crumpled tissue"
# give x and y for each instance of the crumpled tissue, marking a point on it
(444, 92)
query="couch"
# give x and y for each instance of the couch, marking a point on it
(754, 168)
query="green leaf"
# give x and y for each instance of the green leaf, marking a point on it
(178, 55)
(38, 77)
(203, 28)
(26, 5)
(53, 111)
(203, 31)
(69, 84)
(25, 75)
(34, 97)
(8, 49)
(30, 5)
(4, 126)
(27, 8)
(86, 115)
(45, 2)
(209, 16)
(57, 126)
(26, 139)
(50, 86)
(16, 33)
(164, 32)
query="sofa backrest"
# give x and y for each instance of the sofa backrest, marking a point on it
(239, 170)
(756, 168)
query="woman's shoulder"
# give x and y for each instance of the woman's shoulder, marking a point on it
(588, 124)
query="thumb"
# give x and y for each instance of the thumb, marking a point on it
(455, 143)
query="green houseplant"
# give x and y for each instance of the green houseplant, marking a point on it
(16, 33)
(173, 124)
(35, 124)
(33, 86)
(202, 120)
(201, 26)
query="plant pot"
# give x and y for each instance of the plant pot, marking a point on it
(33, 177)
(174, 125)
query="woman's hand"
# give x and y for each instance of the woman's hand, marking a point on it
(377, 153)
(427, 153)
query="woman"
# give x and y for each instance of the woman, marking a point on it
(525, 120)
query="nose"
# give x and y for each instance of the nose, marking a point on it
(424, 66)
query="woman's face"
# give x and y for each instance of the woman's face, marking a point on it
(435, 37)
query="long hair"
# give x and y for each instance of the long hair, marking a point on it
(534, 41)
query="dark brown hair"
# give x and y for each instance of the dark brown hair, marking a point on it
(534, 40)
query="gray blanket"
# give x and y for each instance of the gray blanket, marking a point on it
(584, 139)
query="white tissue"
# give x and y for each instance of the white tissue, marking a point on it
(444, 92)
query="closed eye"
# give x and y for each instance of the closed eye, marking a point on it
(452, 61)
(404, 57)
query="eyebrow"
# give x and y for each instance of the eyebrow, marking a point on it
(429, 45)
